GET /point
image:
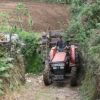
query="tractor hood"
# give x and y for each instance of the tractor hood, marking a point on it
(59, 57)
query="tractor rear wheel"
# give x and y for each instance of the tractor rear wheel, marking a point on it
(73, 81)
(47, 76)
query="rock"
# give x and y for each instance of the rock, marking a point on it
(14, 38)
(28, 81)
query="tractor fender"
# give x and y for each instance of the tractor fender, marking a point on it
(73, 54)
(52, 53)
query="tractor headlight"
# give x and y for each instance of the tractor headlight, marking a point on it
(59, 64)
(58, 67)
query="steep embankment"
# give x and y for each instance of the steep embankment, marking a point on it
(45, 16)
(85, 29)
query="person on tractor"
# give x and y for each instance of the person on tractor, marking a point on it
(62, 63)
(61, 45)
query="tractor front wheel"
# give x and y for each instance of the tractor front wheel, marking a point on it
(47, 76)
(73, 81)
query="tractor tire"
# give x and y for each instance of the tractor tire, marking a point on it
(73, 81)
(47, 76)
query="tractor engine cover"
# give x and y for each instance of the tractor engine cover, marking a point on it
(59, 57)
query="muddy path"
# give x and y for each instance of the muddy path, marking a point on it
(36, 90)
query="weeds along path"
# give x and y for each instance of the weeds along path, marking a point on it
(36, 90)
(44, 15)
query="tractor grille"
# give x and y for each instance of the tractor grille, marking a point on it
(59, 71)
(58, 74)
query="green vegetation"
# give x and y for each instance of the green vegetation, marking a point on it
(34, 64)
(30, 40)
(30, 43)
(84, 29)
(4, 66)
(12, 25)
(32, 59)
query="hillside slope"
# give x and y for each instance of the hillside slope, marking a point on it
(44, 15)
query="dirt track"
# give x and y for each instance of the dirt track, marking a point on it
(44, 15)
(36, 90)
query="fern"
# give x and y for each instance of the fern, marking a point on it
(4, 66)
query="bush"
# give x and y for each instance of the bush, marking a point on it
(32, 59)
(30, 43)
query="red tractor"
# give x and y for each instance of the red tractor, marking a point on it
(62, 65)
